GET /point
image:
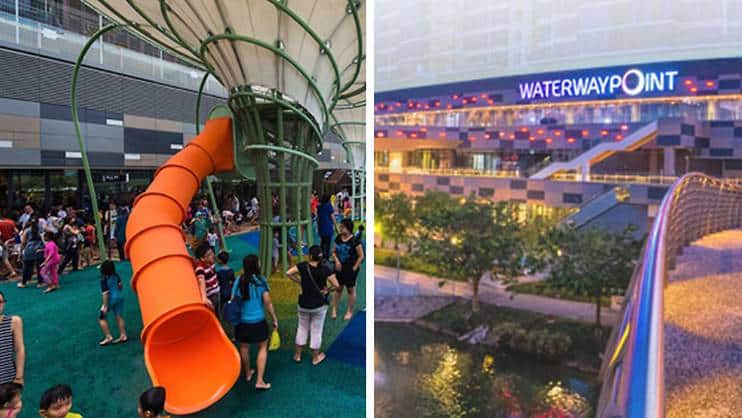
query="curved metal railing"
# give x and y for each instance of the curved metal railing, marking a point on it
(633, 371)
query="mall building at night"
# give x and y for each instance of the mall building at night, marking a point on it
(555, 103)
(566, 138)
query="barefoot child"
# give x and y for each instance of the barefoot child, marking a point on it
(113, 300)
(56, 402)
(51, 263)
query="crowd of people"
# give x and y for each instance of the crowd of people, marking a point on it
(65, 238)
(322, 279)
(48, 244)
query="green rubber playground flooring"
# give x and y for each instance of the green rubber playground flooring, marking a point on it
(62, 333)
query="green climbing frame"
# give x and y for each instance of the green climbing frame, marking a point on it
(275, 136)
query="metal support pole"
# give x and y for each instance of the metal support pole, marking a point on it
(282, 190)
(212, 198)
(81, 142)
(17, 24)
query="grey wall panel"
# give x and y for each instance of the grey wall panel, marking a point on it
(56, 111)
(35, 79)
(52, 158)
(105, 131)
(58, 127)
(104, 144)
(59, 142)
(108, 159)
(150, 142)
(22, 157)
(19, 107)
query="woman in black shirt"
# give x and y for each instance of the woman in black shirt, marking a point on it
(348, 256)
(313, 277)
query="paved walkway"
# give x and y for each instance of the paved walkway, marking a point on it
(417, 284)
(703, 329)
(407, 308)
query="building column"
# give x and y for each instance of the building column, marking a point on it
(711, 109)
(11, 191)
(653, 157)
(584, 172)
(636, 114)
(47, 191)
(669, 161)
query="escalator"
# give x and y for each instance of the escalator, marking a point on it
(601, 206)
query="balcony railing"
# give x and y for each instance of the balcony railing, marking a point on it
(633, 369)
(617, 178)
(467, 172)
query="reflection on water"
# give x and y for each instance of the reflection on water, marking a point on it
(421, 374)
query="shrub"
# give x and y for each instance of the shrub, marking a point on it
(543, 343)
(503, 332)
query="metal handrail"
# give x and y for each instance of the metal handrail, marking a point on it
(633, 371)
(469, 172)
(638, 178)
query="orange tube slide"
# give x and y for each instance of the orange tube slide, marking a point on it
(185, 347)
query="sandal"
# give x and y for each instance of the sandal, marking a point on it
(50, 289)
(320, 358)
(121, 340)
(21, 285)
(264, 387)
(347, 316)
(297, 360)
(250, 374)
(106, 341)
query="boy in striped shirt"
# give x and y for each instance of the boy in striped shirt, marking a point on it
(207, 278)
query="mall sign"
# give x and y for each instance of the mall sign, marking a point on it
(633, 82)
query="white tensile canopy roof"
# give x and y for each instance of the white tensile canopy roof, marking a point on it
(349, 124)
(300, 48)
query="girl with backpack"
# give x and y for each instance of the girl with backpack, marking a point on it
(32, 253)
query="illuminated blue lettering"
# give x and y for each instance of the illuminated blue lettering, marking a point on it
(632, 82)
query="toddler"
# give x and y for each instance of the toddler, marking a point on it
(56, 402)
(51, 263)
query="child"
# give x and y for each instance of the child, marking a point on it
(88, 231)
(56, 402)
(10, 400)
(152, 403)
(212, 238)
(276, 249)
(207, 279)
(51, 263)
(113, 300)
(225, 276)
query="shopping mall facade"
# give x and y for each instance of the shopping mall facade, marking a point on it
(136, 105)
(562, 139)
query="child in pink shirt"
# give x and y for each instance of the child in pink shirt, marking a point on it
(50, 264)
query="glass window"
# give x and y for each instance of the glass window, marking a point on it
(29, 188)
(63, 187)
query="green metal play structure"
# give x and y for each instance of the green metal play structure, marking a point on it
(294, 72)
(272, 148)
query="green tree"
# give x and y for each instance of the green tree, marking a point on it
(395, 217)
(593, 260)
(468, 237)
